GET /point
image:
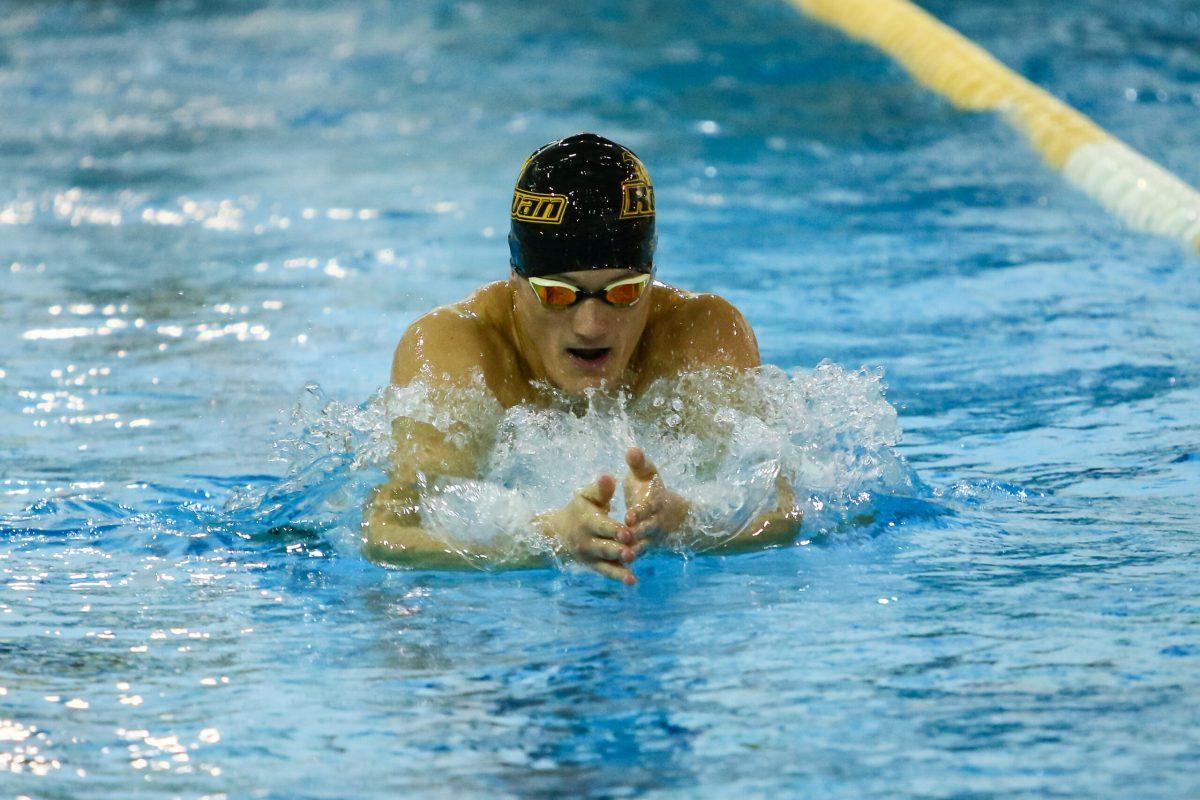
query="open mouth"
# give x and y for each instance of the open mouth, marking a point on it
(589, 356)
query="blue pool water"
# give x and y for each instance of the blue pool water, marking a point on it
(206, 207)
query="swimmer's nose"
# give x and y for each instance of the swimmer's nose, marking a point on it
(590, 322)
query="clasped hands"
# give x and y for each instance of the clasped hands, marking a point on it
(586, 533)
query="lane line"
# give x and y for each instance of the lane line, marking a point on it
(1138, 191)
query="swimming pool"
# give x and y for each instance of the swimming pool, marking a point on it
(206, 207)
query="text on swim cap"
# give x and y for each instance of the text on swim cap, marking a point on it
(536, 207)
(637, 193)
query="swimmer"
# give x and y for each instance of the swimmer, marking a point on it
(580, 311)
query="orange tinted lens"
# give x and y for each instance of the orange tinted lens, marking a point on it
(555, 296)
(625, 294)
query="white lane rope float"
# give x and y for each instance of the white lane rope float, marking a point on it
(1143, 194)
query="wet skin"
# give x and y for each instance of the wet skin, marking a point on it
(504, 333)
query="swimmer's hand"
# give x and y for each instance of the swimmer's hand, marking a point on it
(653, 510)
(586, 532)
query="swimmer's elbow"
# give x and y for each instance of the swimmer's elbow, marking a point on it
(773, 529)
(392, 533)
(397, 539)
(392, 543)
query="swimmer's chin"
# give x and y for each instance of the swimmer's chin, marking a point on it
(582, 386)
(579, 383)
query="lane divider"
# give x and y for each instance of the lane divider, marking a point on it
(1141, 193)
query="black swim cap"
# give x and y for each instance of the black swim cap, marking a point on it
(584, 202)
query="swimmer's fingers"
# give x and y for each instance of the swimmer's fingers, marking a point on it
(665, 513)
(600, 493)
(641, 467)
(601, 526)
(642, 480)
(645, 534)
(639, 521)
(640, 512)
(603, 542)
(616, 571)
(599, 549)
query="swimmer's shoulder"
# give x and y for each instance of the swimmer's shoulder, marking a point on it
(698, 330)
(457, 342)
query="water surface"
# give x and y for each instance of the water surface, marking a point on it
(206, 207)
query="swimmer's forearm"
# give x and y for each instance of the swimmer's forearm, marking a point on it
(778, 527)
(771, 529)
(396, 540)
(409, 546)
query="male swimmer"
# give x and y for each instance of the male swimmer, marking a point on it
(580, 311)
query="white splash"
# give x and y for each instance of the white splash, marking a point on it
(720, 439)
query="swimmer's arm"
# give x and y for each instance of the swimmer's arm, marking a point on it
(656, 513)
(394, 535)
(721, 337)
(710, 332)
(393, 528)
(580, 531)
(776, 528)
(444, 347)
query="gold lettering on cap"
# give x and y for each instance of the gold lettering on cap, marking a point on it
(547, 209)
(637, 193)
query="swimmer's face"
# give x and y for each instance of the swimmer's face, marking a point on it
(587, 345)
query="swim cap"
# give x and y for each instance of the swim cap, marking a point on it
(583, 202)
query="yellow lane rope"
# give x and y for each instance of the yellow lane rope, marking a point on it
(1140, 192)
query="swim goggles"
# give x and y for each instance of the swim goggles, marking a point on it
(621, 293)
